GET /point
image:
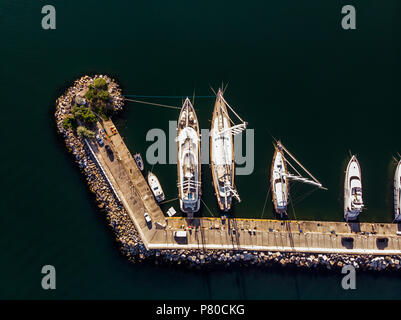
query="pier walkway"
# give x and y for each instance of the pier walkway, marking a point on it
(233, 234)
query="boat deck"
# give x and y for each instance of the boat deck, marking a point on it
(235, 234)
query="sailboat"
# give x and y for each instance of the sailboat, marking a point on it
(188, 159)
(353, 202)
(397, 193)
(280, 178)
(222, 152)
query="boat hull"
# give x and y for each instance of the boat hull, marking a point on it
(397, 193)
(155, 187)
(188, 160)
(279, 182)
(353, 203)
(222, 155)
(139, 161)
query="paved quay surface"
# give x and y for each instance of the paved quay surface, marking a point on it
(233, 234)
(128, 182)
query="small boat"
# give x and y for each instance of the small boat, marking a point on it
(188, 160)
(156, 187)
(353, 203)
(280, 178)
(397, 193)
(222, 152)
(139, 161)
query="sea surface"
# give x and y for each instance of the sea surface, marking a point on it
(292, 72)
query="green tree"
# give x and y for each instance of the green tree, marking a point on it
(84, 114)
(84, 132)
(90, 94)
(100, 83)
(104, 95)
(68, 122)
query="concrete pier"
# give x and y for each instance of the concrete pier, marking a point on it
(233, 234)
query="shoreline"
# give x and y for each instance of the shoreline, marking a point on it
(129, 240)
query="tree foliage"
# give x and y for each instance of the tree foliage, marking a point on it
(90, 94)
(84, 132)
(99, 97)
(104, 95)
(100, 83)
(68, 122)
(83, 114)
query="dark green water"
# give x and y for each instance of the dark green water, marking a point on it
(292, 72)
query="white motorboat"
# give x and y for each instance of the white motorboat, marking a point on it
(155, 187)
(353, 202)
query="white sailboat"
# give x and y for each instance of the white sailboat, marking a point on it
(188, 160)
(353, 202)
(280, 178)
(155, 187)
(397, 193)
(222, 152)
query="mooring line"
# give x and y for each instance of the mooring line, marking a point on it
(164, 97)
(207, 208)
(264, 206)
(154, 104)
(167, 201)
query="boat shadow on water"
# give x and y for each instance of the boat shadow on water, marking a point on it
(341, 181)
(391, 169)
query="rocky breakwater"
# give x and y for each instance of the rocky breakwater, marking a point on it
(213, 258)
(117, 216)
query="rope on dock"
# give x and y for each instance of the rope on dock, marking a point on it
(154, 104)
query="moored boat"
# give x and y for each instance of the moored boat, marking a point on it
(279, 181)
(280, 178)
(139, 161)
(397, 193)
(222, 152)
(155, 187)
(188, 160)
(353, 202)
